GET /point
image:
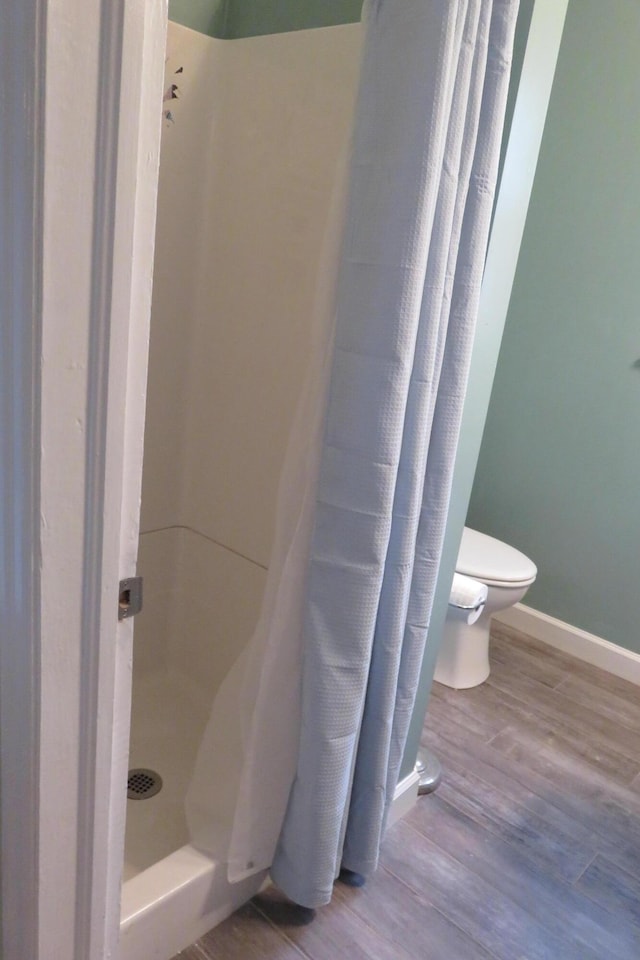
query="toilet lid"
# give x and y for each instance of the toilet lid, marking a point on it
(492, 561)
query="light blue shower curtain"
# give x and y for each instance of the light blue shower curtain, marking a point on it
(423, 170)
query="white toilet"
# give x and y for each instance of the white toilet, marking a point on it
(463, 660)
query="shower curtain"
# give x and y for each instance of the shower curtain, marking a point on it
(323, 694)
(423, 170)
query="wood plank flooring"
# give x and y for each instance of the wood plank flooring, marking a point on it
(529, 850)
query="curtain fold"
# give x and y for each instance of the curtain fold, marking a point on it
(246, 761)
(422, 178)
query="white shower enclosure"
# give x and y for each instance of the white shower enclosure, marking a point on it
(249, 163)
(252, 141)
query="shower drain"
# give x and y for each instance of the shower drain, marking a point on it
(143, 784)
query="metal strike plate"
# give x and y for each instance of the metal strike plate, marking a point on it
(130, 597)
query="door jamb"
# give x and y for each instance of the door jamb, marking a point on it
(21, 180)
(82, 91)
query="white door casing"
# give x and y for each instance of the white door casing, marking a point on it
(22, 83)
(79, 176)
(117, 47)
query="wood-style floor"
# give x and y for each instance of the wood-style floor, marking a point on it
(529, 850)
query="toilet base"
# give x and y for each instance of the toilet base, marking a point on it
(463, 660)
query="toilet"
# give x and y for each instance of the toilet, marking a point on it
(463, 660)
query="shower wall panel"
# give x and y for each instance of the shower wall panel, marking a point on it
(281, 125)
(250, 150)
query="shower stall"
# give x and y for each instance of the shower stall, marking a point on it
(253, 134)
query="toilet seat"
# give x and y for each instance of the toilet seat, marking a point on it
(493, 562)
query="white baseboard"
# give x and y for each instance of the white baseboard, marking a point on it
(563, 636)
(404, 797)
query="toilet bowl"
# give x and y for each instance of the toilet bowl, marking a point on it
(463, 660)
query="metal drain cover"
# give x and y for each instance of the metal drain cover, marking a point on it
(143, 784)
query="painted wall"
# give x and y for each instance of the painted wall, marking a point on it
(560, 460)
(231, 19)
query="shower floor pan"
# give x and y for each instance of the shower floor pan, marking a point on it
(172, 892)
(172, 903)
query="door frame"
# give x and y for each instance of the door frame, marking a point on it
(82, 96)
(21, 75)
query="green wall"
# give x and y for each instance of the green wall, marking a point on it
(560, 459)
(231, 19)
(205, 16)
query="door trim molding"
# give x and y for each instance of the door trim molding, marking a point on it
(22, 49)
(132, 52)
(100, 564)
(82, 98)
